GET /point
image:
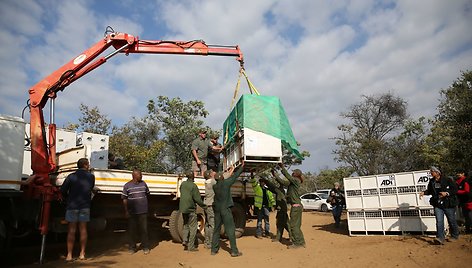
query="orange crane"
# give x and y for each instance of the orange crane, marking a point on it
(43, 156)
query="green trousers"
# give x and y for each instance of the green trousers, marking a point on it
(209, 225)
(190, 230)
(295, 225)
(224, 216)
(281, 222)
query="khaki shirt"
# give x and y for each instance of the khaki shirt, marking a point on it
(209, 193)
(201, 146)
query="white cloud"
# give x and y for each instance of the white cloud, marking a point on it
(21, 17)
(221, 22)
(381, 22)
(93, 93)
(18, 23)
(345, 49)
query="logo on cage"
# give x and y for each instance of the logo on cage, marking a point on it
(423, 180)
(386, 181)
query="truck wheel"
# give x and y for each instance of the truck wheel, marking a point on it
(5, 236)
(176, 226)
(200, 226)
(239, 217)
(23, 230)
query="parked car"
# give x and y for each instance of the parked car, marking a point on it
(324, 191)
(315, 201)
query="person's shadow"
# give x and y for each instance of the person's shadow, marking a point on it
(331, 227)
(118, 232)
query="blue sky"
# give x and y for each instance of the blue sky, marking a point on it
(319, 57)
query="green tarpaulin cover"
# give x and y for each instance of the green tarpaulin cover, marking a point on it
(260, 113)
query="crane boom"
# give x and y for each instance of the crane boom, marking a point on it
(43, 156)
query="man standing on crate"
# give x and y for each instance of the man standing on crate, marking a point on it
(444, 200)
(336, 199)
(200, 147)
(213, 159)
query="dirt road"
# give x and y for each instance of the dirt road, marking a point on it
(325, 246)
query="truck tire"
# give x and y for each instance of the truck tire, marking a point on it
(239, 218)
(176, 226)
(201, 225)
(3, 237)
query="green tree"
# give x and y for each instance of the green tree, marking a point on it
(309, 183)
(363, 142)
(450, 141)
(289, 159)
(180, 122)
(138, 143)
(71, 126)
(455, 110)
(327, 177)
(407, 150)
(436, 145)
(158, 142)
(93, 120)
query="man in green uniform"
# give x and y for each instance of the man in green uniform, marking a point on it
(293, 198)
(281, 204)
(222, 208)
(200, 147)
(189, 196)
(199, 153)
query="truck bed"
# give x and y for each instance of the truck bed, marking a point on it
(111, 181)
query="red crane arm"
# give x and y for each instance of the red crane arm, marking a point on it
(123, 43)
(43, 156)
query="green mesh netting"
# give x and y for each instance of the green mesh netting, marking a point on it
(260, 113)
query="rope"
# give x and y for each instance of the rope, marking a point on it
(236, 90)
(252, 88)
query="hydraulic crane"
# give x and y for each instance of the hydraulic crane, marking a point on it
(43, 156)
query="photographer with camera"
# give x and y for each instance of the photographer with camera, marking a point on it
(444, 200)
(337, 201)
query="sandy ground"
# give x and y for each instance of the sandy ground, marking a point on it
(326, 246)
